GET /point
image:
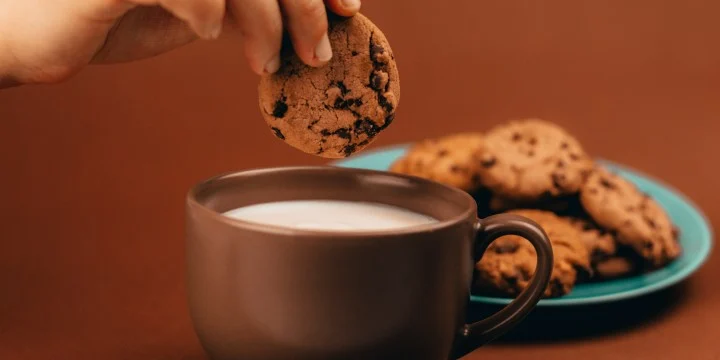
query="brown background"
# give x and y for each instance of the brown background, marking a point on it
(94, 171)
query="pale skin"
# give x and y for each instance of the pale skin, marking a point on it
(48, 41)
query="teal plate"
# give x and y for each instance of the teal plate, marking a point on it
(695, 238)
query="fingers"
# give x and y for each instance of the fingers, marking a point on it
(260, 23)
(205, 17)
(307, 25)
(143, 32)
(343, 7)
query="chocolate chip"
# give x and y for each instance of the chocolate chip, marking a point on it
(606, 183)
(560, 164)
(343, 89)
(383, 101)
(365, 126)
(388, 120)
(312, 124)
(343, 133)
(456, 169)
(649, 245)
(376, 51)
(358, 102)
(516, 137)
(488, 161)
(558, 180)
(379, 80)
(531, 153)
(339, 103)
(532, 141)
(651, 223)
(281, 108)
(349, 149)
(556, 287)
(524, 275)
(574, 156)
(564, 145)
(354, 53)
(505, 248)
(278, 133)
(442, 153)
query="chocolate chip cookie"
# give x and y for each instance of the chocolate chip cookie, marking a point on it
(614, 267)
(567, 205)
(509, 262)
(637, 220)
(449, 160)
(338, 109)
(600, 244)
(608, 259)
(532, 159)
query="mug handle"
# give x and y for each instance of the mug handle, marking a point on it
(479, 333)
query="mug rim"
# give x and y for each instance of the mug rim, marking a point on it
(191, 200)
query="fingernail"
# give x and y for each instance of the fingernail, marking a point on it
(323, 51)
(273, 65)
(351, 5)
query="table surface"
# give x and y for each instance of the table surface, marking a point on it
(95, 170)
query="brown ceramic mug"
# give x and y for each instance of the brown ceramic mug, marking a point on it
(265, 292)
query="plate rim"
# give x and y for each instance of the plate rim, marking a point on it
(697, 261)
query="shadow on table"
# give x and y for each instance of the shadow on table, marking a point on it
(568, 323)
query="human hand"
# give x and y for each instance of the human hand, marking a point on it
(46, 41)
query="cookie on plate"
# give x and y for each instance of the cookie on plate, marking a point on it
(532, 159)
(509, 262)
(449, 160)
(600, 244)
(614, 267)
(337, 109)
(637, 220)
(566, 205)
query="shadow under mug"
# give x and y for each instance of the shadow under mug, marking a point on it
(259, 291)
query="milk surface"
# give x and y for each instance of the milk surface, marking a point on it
(331, 215)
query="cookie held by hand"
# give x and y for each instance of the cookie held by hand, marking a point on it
(339, 108)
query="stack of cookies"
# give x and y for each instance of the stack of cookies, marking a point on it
(600, 225)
